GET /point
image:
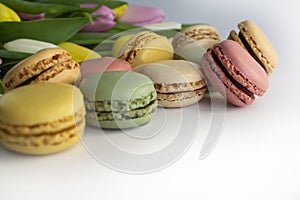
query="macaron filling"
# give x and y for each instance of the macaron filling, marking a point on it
(104, 110)
(180, 91)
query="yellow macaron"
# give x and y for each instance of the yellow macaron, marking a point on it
(41, 118)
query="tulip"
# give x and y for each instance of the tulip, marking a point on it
(164, 26)
(27, 45)
(7, 14)
(79, 53)
(29, 17)
(141, 15)
(103, 23)
(119, 10)
(0, 61)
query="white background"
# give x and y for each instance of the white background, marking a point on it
(257, 156)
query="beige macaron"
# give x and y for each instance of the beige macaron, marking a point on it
(146, 47)
(178, 83)
(47, 65)
(192, 42)
(253, 39)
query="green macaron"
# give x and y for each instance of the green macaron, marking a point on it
(118, 99)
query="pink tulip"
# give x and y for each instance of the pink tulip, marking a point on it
(141, 15)
(0, 61)
(103, 23)
(28, 17)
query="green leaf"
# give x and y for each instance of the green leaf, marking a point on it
(108, 3)
(13, 54)
(1, 88)
(55, 30)
(36, 8)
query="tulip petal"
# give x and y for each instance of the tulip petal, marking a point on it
(27, 45)
(103, 23)
(28, 17)
(141, 15)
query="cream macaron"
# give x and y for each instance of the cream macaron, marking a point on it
(41, 118)
(192, 42)
(178, 83)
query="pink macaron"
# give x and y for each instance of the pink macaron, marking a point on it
(234, 73)
(92, 66)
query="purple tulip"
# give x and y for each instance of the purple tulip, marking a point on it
(141, 15)
(28, 17)
(103, 23)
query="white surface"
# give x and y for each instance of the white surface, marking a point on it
(257, 156)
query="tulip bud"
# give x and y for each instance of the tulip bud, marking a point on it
(103, 23)
(141, 15)
(119, 10)
(7, 14)
(27, 45)
(79, 53)
(29, 17)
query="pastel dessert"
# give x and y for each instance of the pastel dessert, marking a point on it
(93, 66)
(41, 119)
(146, 47)
(234, 73)
(192, 42)
(47, 65)
(178, 83)
(119, 43)
(253, 39)
(116, 100)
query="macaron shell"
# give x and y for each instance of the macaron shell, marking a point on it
(118, 85)
(92, 66)
(171, 71)
(50, 101)
(45, 144)
(259, 43)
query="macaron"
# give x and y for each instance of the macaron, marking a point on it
(118, 99)
(192, 42)
(93, 66)
(47, 65)
(146, 47)
(234, 73)
(41, 119)
(253, 39)
(178, 83)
